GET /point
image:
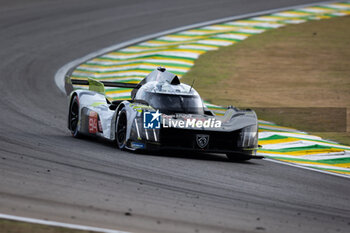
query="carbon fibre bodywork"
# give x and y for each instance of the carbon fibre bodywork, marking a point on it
(98, 116)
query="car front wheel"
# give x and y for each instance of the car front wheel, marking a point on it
(120, 130)
(74, 117)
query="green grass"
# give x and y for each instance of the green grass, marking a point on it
(297, 67)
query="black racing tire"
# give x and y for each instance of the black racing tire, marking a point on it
(236, 157)
(121, 129)
(74, 117)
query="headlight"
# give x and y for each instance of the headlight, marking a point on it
(248, 137)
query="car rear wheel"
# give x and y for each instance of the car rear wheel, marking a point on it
(121, 128)
(74, 117)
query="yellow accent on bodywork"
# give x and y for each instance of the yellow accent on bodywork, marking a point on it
(96, 86)
(139, 107)
(97, 104)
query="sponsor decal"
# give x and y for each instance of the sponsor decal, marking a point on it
(151, 120)
(93, 122)
(137, 145)
(202, 140)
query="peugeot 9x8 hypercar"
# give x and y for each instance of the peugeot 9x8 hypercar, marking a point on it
(162, 114)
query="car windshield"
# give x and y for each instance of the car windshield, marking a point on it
(171, 104)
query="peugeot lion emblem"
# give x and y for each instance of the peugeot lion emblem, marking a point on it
(202, 140)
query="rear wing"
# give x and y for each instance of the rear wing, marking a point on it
(94, 85)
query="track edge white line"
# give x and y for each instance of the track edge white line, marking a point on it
(58, 224)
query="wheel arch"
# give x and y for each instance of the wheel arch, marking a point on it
(129, 115)
(114, 118)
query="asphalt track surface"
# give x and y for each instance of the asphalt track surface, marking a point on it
(45, 173)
